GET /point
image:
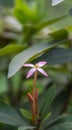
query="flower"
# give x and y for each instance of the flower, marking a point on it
(36, 67)
(55, 2)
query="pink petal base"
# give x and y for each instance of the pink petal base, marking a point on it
(30, 72)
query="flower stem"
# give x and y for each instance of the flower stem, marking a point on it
(34, 104)
(34, 83)
(34, 100)
(31, 99)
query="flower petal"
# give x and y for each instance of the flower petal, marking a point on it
(30, 72)
(55, 2)
(41, 63)
(42, 71)
(28, 65)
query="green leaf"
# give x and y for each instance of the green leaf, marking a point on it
(49, 22)
(26, 128)
(48, 99)
(57, 107)
(64, 118)
(41, 6)
(59, 34)
(41, 98)
(58, 11)
(26, 114)
(22, 11)
(64, 123)
(62, 126)
(46, 117)
(57, 56)
(28, 54)
(8, 127)
(9, 116)
(64, 23)
(48, 12)
(11, 49)
(22, 5)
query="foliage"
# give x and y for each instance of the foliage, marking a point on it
(33, 31)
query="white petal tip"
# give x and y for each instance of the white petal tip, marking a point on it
(41, 63)
(27, 77)
(28, 65)
(46, 75)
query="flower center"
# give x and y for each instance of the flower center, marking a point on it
(36, 66)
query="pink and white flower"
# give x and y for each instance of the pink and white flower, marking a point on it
(36, 67)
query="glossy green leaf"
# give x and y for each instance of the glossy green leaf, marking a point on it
(57, 56)
(26, 114)
(9, 116)
(11, 49)
(26, 55)
(48, 99)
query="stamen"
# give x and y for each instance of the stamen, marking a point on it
(36, 66)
